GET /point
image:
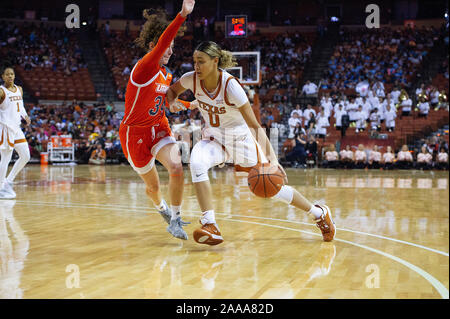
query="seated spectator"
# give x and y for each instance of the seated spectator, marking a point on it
(288, 145)
(338, 117)
(295, 124)
(423, 106)
(374, 119)
(360, 118)
(420, 90)
(307, 114)
(405, 104)
(352, 109)
(390, 116)
(360, 157)
(442, 159)
(347, 157)
(310, 89)
(98, 156)
(434, 97)
(321, 125)
(375, 158)
(297, 157)
(327, 105)
(331, 158)
(311, 129)
(388, 159)
(443, 101)
(404, 158)
(424, 159)
(311, 149)
(297, 110)
(395, 94)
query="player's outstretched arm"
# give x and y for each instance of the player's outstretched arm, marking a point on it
(187, 7)
(171, 97)
(149, 64)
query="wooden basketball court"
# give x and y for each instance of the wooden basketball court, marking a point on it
(90, 232)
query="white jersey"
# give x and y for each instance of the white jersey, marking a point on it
(12, 109)
(220, 109)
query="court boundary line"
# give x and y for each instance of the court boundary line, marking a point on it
(149, 209)
(441, 289)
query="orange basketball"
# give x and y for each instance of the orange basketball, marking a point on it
(265, 180)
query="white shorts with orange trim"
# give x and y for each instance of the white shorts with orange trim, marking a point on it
(244, 152)
(9, 137)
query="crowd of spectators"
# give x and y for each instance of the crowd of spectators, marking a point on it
(362, 158)
(283, 57)
(40, 45)
(366, 111)
(390, 56)
(92, 127)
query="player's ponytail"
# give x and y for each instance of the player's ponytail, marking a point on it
(154, 26)
(226, 58)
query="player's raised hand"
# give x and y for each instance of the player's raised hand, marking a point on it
(188, 6)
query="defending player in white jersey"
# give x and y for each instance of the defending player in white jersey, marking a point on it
(11, 135)
(231, 132)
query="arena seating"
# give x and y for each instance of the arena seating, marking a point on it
(406, 128)
(46, 84)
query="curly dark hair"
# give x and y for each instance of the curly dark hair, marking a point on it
(154, 27)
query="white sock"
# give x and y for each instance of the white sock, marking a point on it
(162, 206)
(208, 217)
(176, 211)
(316, 211)
(24, 158)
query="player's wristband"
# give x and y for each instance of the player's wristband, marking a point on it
(185, 103)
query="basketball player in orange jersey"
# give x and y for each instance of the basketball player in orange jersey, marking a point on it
(144, 132)
(231, 131)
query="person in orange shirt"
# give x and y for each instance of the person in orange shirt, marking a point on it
(98, 156)
(144, 132)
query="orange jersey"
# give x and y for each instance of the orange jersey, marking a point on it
(149, 82)
(144, 102)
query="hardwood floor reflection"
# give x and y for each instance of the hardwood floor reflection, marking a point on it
(90, 232)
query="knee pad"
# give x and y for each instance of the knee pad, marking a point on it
(199, 172)
(286, 194)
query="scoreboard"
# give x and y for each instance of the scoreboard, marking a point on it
(236, 26)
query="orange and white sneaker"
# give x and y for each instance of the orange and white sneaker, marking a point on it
(326, 223)
(208, 234)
